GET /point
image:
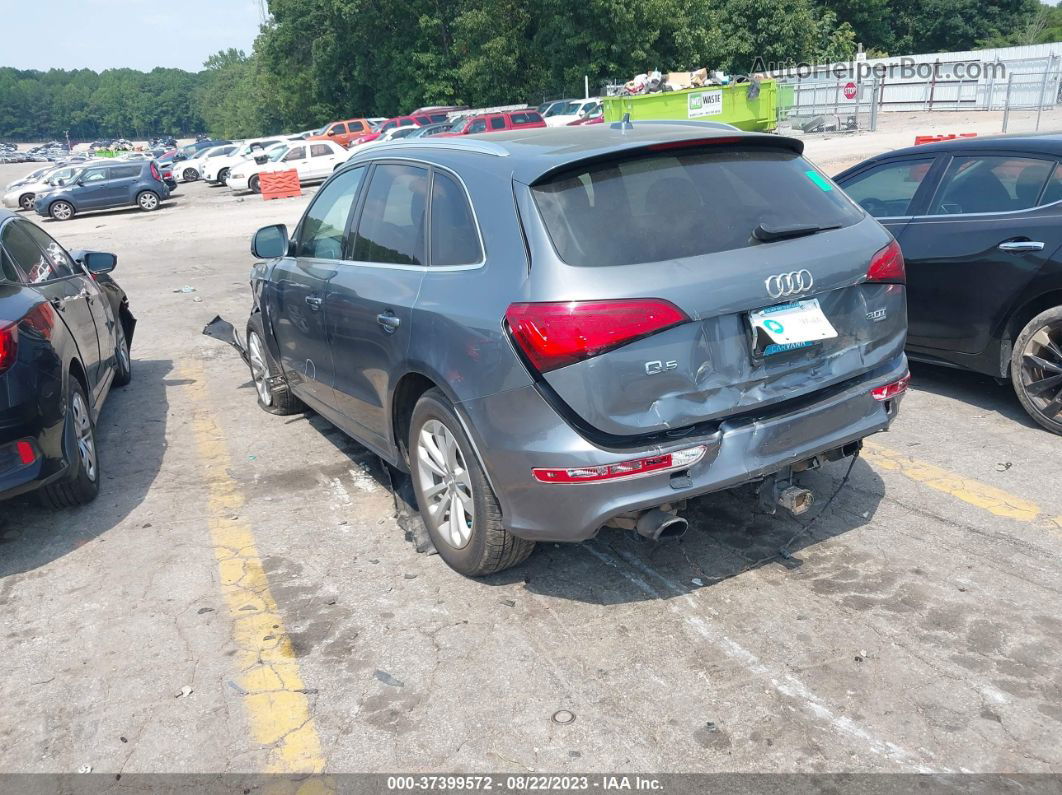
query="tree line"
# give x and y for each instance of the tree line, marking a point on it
(318, 60)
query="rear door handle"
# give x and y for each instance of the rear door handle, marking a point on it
(1021, 245)
(389, 322)
(314, 302)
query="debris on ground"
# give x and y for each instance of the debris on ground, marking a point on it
(563, 717)
(185, 692)
(387, 679)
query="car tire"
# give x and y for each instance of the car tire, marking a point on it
(148, 201)
(81, 483)
(25, 201)
(279, 401)
(190, 175)
(123, 371)
(1036, 369)
(254, 184)
(61, 210)
(222, 176)
(447, 477)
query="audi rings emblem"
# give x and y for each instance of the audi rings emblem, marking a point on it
(783, 285)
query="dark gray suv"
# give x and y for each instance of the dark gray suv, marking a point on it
(558, 330)
(104, 186)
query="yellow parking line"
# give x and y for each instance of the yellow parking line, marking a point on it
(277, 705)
(989, 498)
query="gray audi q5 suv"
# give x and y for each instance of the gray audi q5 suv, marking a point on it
(564, 329)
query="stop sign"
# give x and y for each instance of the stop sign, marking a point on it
(850, 91)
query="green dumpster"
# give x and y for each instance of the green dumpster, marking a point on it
(730, 104)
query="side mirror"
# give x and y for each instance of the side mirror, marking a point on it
(270, 242)
(331, 132)
(98, 261)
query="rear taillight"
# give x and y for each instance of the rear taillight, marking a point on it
(681, 459)
(887, 265)
(8, 346)
(553, 335)
(25, 452)
(890, 391)
(155, 172)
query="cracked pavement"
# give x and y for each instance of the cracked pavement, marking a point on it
(918, 629)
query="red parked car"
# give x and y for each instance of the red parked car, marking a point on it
(496, 122)
(417, 120)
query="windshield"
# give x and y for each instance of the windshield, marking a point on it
(462, 125)
(655, 207)
(276, 152)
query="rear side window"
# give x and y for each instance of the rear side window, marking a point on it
(355, 126)
(990, 185)
(320, 150)
(391, 229)
(454, 238)
(497, 123)
(657, 207)
(124, 172)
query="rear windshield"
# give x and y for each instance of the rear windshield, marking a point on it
(665, 205)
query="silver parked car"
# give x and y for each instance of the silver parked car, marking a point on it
(558, 330)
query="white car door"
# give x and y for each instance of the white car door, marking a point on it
(324, 157)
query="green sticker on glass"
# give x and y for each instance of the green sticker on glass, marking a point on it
(819, 180)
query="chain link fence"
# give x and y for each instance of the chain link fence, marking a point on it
(828, 105)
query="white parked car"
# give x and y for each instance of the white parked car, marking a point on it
(560, 115)
(217, 169)
(191, 169)
(314, 161)
(21, 193)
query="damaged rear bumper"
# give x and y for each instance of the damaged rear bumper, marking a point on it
(517, 431)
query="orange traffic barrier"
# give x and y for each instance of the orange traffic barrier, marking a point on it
(934, 139)
(280, 184)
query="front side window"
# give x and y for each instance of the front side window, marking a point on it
(31, 258)
(477, 126)
(454, 237)
(391, 229)
(93, 175)
(662, 206)
(886, 191)
(322, 230)
(295, 153)
(980, 184)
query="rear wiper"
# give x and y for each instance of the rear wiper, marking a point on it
(769, 234)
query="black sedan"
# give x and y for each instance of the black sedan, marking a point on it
(65, 332)
(979, 221)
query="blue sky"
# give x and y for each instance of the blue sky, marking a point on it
(140, 34)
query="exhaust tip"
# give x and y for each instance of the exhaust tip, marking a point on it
(657, 524)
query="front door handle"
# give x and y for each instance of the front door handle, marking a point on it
(389, 322)
(314, 302)
(1021, 245)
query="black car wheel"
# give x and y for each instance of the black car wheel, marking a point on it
(254, 184)
(61, 211)
(148, 200)
(25, 201)
(1036, 369)
(123, 372)
(190, 175)
(271, 399)
(81, 483)
(223, 175)
(456, 502)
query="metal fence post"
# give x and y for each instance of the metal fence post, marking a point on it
(1043, 88)
(874, 107)
(1006, 101)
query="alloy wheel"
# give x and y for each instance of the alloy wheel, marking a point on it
(86, 442)
(61, 211)
(26, 202)
(148, 201)
(123, 350)
(190, 175)
(445, 484)
(259, 369)
(1041, 371)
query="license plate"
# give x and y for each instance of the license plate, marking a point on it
(790, 326)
